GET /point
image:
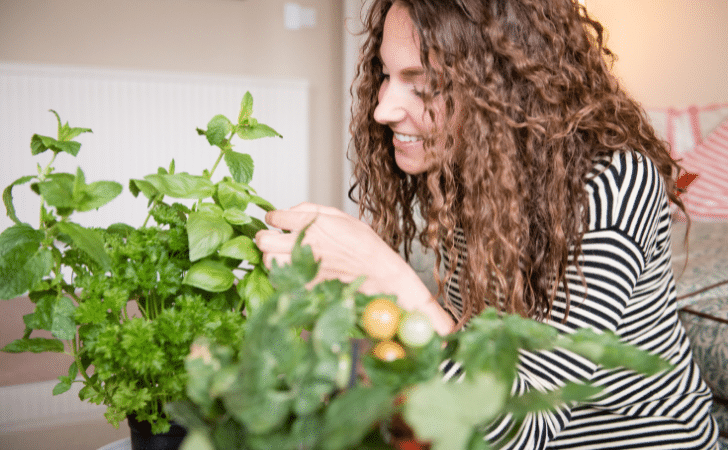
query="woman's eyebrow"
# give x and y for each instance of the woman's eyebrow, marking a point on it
(412, 72)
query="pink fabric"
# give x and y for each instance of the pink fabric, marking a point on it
(707, 197)
(683, 129)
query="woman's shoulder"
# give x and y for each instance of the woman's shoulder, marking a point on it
(622, 185)
(622, 165)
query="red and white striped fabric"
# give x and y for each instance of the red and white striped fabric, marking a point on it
(683, 129)
(706, 198)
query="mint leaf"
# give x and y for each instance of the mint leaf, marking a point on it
(87, 240)
(87, 197)
(39, 144)
(218, 129)
(8, 197)
(246, 108)
(42, 317)
(63, 386)
(447, 414)
(67, 133)
(334, 327)
(240, 165)
(351, 415)
(34, 345)
(257, 131)
(206, 233)
(57, 190)
(23, 261)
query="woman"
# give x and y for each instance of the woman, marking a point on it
(544, 191)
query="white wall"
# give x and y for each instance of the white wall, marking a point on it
(233, 37)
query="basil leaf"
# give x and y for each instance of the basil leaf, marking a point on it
(211, 276)
(182, 185)
(232, 195)
(242, 248)
(206, 233)
(236, 217)
(143, 186)
(264, 204)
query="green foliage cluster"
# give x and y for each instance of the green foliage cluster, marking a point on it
(294, 382)
(302, 379)
(191, 273)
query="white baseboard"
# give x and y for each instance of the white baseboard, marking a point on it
(29, 406)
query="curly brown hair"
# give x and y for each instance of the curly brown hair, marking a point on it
(536, 105)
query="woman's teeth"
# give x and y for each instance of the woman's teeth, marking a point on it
(407, 138)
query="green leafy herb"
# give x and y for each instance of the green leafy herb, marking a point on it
(190, 274)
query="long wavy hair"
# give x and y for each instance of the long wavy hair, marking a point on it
(536, 105)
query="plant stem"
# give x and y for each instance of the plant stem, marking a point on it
(77, 358)
(41, 177)
(214, 167)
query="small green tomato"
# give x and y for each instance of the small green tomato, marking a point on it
(415, 329)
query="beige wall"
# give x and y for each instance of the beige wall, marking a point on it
(237, 37)
(672, 53)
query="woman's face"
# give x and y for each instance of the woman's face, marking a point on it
(400, 104)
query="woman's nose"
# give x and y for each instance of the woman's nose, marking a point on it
(390, 108)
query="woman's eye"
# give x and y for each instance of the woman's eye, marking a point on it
(383, 77)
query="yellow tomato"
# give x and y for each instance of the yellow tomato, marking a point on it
(388, 351)
(381, 318)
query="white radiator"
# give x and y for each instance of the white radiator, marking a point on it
(141, 121)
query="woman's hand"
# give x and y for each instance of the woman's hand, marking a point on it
(346, 249)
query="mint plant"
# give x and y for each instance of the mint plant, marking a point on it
(192, 272)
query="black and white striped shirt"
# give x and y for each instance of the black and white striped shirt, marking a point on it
(630, 291)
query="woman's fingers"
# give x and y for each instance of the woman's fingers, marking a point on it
(319, 209)
(290, 220)
(272, 241)
(301, 215)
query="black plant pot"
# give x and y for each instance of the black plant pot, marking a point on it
(143, 439)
